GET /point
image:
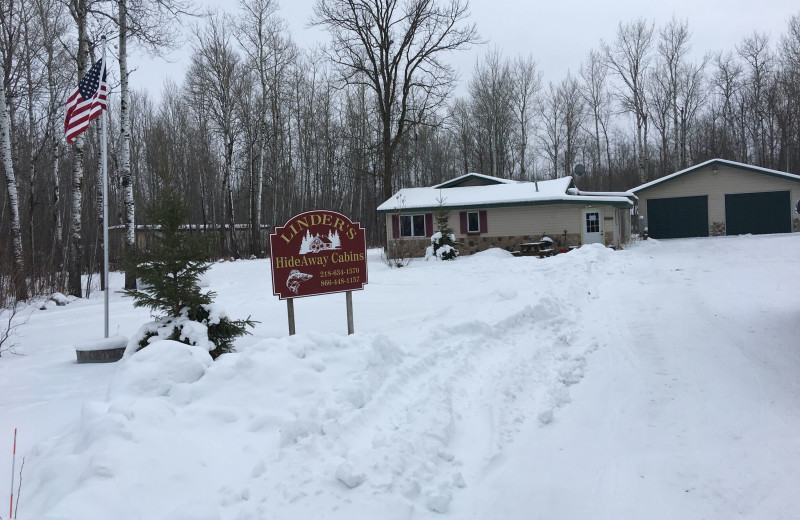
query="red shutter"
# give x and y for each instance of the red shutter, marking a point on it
(484, 221)
(463, 217)
(395, 226)
(428, 224)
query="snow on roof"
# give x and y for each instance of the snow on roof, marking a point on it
(509, 193)
(743, 166)
(628, 194)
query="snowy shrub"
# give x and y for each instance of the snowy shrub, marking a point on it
(442, 247)
(443, 242)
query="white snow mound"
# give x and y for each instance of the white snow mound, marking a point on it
(157, 368)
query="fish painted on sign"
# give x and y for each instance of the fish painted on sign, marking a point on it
(295, 277)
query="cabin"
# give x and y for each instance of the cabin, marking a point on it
(487, 212)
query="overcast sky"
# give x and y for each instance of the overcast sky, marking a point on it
(559, 34)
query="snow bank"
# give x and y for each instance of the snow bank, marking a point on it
(598, 384)
(154, 371)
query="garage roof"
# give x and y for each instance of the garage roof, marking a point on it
(733, 164)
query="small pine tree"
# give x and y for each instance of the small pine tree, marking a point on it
(170, 273)
(444, 241)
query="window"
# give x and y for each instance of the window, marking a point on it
(412, 225)
(592, 222)
(473, 222)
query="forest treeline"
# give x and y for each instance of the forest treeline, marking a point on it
(261, 129)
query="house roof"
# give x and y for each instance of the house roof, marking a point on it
(725, 162)
(505, 193)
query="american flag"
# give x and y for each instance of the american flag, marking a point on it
(88, 101)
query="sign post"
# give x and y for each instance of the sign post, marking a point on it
(290, 313)
(349, 298)
(318, 252)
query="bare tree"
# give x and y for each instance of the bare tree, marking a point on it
(213, 79)
(759, 70)
(491, 92)
(461, 126)
(790, 58)
(261, 35)
(728, 82)
(629, 58)
(526, 86)
(574, 113)
(659, 108)
(9, 39)
(79, 9)
(552, 133)
(152, 24)
(396, 50)
(13, 197)
(598, 103)
(692, 94)
(53, 24)
(673, 46)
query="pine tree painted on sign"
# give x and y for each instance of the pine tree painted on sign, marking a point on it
(305, 244)
(336, 242)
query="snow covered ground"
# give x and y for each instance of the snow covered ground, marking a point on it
(659, 382)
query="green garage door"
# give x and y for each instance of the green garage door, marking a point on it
(758, 213)
(678, 217)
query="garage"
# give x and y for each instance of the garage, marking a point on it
(758, 213)
(719, 197)
(678, 217)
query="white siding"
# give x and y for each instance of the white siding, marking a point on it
(536, 221)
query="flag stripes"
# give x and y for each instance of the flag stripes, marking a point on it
(87, 102)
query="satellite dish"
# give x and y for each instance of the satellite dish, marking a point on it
(579, 170)
(797, 208)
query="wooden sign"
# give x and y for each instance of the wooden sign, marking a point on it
(318, 252)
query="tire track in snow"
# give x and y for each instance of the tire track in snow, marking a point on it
(441, 418)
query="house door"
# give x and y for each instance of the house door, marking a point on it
(592, 228)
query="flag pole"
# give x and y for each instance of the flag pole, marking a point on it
(104, 147)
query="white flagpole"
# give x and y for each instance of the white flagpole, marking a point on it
(105, 196)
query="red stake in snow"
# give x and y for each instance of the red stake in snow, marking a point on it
(13, 465)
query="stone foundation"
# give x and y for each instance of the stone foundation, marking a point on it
(717, 229)
(796, 225)
(415, 247)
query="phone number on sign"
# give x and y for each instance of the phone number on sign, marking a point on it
(339, 281)
(339, 272)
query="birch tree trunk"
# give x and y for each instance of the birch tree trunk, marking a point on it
(78, 10)
(18, 270)
(125, 144)
(31, 140)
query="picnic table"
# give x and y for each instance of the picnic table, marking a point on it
(542, 248)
